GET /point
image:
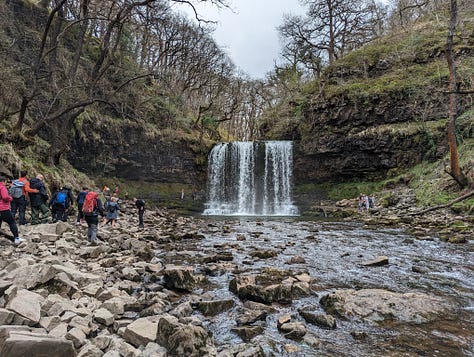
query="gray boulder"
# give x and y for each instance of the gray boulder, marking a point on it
(18, 341)
(377, 305)
(184, 339)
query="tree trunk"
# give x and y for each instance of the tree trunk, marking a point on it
(456, 172)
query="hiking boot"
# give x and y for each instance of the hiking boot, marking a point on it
(18, 241)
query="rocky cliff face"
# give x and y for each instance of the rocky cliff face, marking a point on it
(347, 138)
(130, 151)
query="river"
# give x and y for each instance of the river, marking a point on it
(333, 252)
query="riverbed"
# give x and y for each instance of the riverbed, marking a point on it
(333, 253)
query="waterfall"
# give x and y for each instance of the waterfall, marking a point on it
(250, 178)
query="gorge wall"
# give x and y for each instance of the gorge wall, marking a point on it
(130, 151)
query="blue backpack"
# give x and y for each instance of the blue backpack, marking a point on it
(16, 190)
(61, 198)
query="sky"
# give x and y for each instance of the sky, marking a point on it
(248, 33)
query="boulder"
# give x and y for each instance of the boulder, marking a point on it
(104, 317)
(316, 318)
(215, 307)
(26, 304)
(246, 333)
(154, 350)
(21, 342)
(184, 339)
(89, 350)
(293, 330)
(181, 277)
(251, 316)
(141, 332)
(31, 276)
(377, 305)
(77, 336)
(76, 275)
(246, 288)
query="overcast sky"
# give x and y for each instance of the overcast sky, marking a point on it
(248, 33)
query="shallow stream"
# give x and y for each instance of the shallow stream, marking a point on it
(333, 252)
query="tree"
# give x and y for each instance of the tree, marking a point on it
(455, 170)
(330, 29)
(85, 59)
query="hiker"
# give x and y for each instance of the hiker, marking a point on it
(140, 204)
(20, 198)
(91, 208)
(112, 207)
(6, 213)
(81, 196)
(60, 203)
(182, 194)
(38, 201)
(372, 201)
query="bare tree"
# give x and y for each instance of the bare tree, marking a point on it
(330, 29)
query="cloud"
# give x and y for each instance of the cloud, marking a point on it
(249, 34)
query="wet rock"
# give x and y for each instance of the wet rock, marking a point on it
(181, 277)
(246, 288)
(227, 257)
(419, 270)
(184, 339)
(215, 307)
(296, 260)
(249, 317)
(252, 305)
(246, 333)
(16, 341)
(359, 335)
(312, 340)
(313, 317)
(288, 348)
(284, 319)
(264, 253)
(293, 330)
(378, 261)
(376, 305)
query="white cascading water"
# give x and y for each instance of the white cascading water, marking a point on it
(248, 179)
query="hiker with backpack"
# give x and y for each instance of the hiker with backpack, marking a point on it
(6, 213)
(19, 190)
(39, 209)
(60, 203)
(112, 207)
(81, 196)
(91, 208)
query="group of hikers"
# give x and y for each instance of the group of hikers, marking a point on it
(15, 197)
(366, 202)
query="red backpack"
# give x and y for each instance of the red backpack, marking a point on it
(90, 203)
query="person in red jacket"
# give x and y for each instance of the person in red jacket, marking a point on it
(19, 203)
(6, 213)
